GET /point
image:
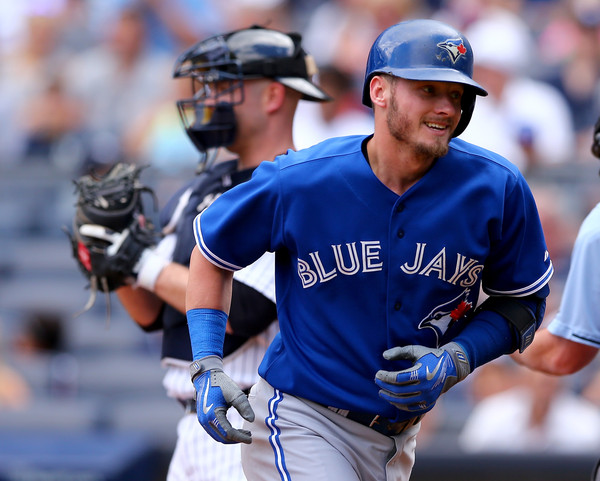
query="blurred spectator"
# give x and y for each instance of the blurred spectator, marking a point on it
(47, 119)
(75, 18)
(275, 14)
(43, 337)
(42, 332)
(176, 24)
(569, 48)
(117, 81)
(533, 416)
(15, 17)
(340, 32)
(492, 379)
(526, 120)
(14, 389)
(156, 138)
(24, 72)
(344, 115)
(462, 13)
(560, 219)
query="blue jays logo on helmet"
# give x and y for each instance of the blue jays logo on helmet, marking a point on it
(455, 48)
(425, 49)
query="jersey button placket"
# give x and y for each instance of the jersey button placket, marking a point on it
(399, 208)
(399, 234)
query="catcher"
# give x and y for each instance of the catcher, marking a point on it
(257, 76)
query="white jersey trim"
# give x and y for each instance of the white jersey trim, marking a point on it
(207, 252)
(525, 291)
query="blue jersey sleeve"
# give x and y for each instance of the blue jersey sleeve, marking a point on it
(518, 248)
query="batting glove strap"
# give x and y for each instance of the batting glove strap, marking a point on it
(461, 363)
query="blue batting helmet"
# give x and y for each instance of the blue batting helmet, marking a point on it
(425, 50)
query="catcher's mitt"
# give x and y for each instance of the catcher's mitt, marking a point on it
(596, 139)
(110, 228)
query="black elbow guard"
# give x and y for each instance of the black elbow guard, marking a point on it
(524, 314)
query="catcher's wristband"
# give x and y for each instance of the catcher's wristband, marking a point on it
(153, 260)
(207, 332)
(149, 268)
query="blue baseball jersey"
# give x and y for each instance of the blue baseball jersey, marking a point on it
(577, 317)
(360, 269)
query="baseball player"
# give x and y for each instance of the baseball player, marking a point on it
(382, 243)
(246, 87)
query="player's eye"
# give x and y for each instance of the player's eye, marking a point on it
(456, 94)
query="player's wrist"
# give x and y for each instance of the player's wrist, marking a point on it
(460, 360)
(207, 332)
(208, 363)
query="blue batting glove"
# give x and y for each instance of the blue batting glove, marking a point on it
(434, 371)
(215, 394)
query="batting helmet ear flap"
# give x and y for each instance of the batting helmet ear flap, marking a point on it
(467, 106)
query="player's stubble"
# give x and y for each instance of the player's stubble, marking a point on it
(399, 126)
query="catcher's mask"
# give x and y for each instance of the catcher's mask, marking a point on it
(425, 50)
(218, 66)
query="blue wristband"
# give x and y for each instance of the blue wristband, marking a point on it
(207, 332)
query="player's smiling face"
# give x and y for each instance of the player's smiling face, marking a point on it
(424, 114)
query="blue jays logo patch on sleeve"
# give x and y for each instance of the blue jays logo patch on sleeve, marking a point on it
(442, 317)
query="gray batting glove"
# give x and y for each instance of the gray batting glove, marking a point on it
(433, 372)
(215, 394)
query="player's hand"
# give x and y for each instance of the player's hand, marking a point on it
(111, 254)
(215, 393)
(418, 388)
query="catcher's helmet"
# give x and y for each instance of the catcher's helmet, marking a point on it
(425, 50)
(228, 59)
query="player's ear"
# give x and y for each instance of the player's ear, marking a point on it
(273, 96)
(378, 90)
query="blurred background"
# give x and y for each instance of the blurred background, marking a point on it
(87, 83)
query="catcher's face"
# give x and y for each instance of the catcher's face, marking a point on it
(207, 114)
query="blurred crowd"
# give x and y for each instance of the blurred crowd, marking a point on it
(87, 83)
